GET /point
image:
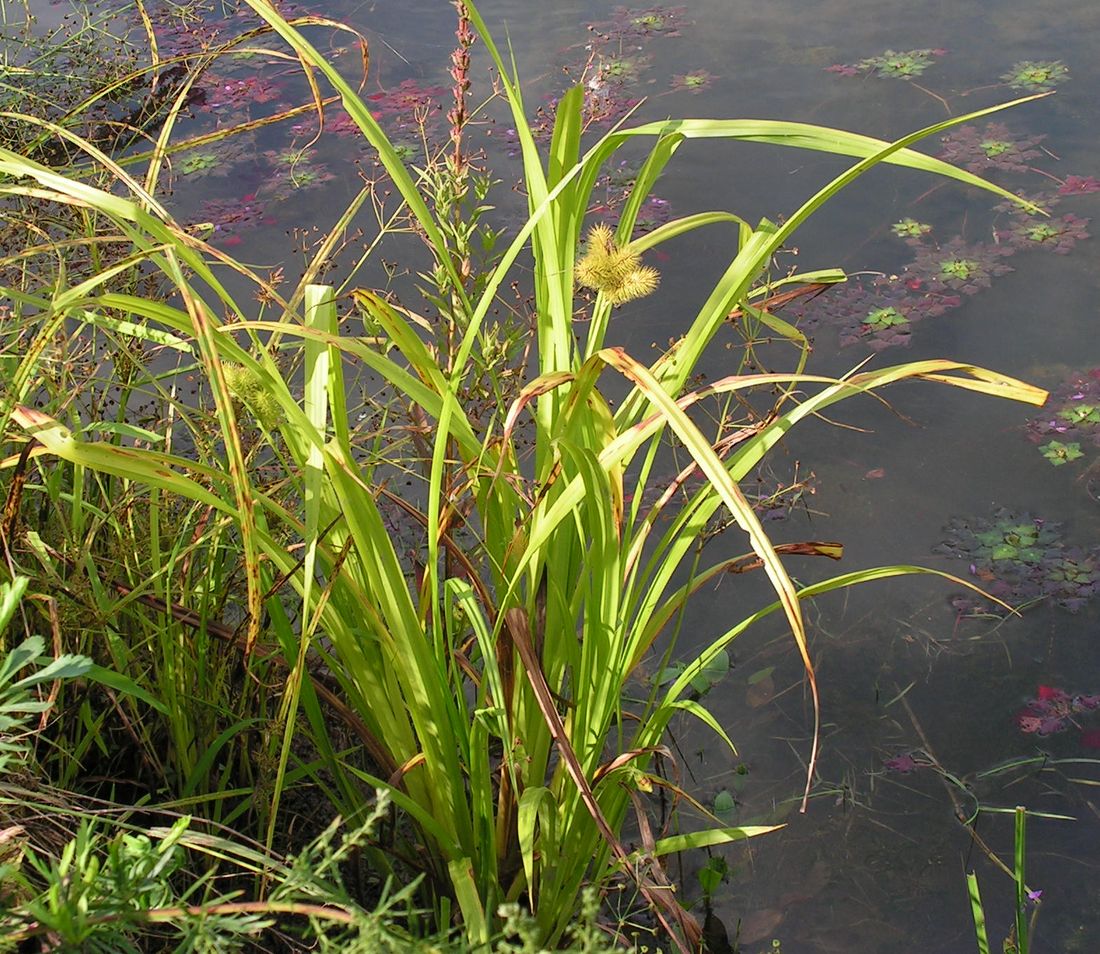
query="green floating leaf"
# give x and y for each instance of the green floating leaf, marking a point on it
(713, 672)
(760, 675)
(740, 780)
(725, 806)
(669, 673)
(1058, 453)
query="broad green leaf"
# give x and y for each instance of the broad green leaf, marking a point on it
(725, 807)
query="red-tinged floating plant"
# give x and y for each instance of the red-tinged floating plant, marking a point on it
(1022, 560)
(878, 313)
(230, 216)
(223, 92)
(405, 99)
(1070, 419)
(989, 148)
(958, 266)
(1054, 710)
(905, 64)
(1079, 185)
(1058, 235)
(905, 764)
(1036, 76)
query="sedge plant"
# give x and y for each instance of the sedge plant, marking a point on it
(485, 679)
(1026, 900)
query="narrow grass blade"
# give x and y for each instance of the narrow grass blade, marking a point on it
(978, 912)
(1019, 846)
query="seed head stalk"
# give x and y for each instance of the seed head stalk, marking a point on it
(460, 73)
(457, 168)
(456, 176)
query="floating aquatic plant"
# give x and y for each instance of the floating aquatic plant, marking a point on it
(200, 163)
(900, 65)
(844, 69)
(1081, 414)
(904, 764)
(627, 23)
(1036, 76)
(958, 267)
(1054, 710)
(883, 318)
(405, 100)
(337, 123)
(230, 216)
(878, 313)
(1045, 200)
(910, 229)
(694, 82)
(290, 157)
(992, 147)
(1058, 235)
(1020, 559)
(654, 211)
(1058, 453)
(604, 105)
(222, 91)
(293, 169)
(1079, 185)
(217, 158)
(290, 179)
(617, 185)
(410, 110)
(620, 70)
(1070, 418)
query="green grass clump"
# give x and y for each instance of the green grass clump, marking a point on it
(282, 641)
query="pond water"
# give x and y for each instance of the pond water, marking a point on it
(931, 704)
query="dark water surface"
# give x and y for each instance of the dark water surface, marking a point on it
(878, 862)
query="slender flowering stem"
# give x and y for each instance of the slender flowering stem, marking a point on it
(460, 73)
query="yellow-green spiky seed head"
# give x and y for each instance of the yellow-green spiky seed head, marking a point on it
(241, 381)
(639, 283)
(615, 271)
(604, 266)
(247, 387)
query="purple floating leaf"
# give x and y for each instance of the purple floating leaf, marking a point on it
(1079, 185)
(844, 69)
(903, 764)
